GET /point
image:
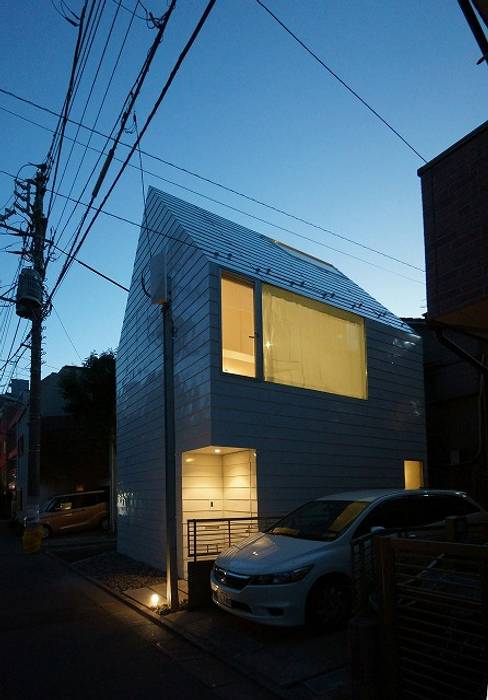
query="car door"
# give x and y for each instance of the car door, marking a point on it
(61, 515)
(391, 514)
(75, 515)
(90, 501)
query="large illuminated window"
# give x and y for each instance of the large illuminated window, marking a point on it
(238, 341)
(312, 345)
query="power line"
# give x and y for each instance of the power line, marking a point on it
(59, 133)
(106, 92)
(127, 9)
(282, 228)
(299, 285)
(341, 81)
(88, 98)
(9, 355)
(66, 333)
(251, 216)
(210, 251)
(174, 71)
(78, 238)
(221, 186)
(89, 267)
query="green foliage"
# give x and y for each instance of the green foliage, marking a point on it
(89, 394)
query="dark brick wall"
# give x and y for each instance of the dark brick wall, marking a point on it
(455, 205)
(455, 410)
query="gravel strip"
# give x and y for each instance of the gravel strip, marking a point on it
(118, 572)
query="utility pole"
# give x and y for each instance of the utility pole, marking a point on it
(170, 455)
(39, 223)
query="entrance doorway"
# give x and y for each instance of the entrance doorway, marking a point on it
(217, 483)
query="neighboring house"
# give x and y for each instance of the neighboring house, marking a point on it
(69, 459)
(291, 382)
(455, 205)
(11, 407)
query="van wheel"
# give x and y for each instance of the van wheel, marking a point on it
(46, 531)
(328, 605)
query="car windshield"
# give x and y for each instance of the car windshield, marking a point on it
(45, 507)
(319, 520)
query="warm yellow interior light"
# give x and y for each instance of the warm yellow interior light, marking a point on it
(217, 451)
(414, 474)
(154, 600)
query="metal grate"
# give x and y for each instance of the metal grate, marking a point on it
(206, 538)
(435, 603)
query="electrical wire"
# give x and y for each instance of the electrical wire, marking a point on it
(92, 131)
(252, 216)
(92, 269)
(215, 254)
(52, 158)
(66, 333)
(265, 221)
(79, 238)
(87, 102)
(143, 185)
(127, 9)
(341, 81)
(85, 52)
(9, 353)
(221, 186)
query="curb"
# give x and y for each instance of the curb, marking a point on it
(207, 647)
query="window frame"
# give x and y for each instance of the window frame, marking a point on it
(304, 388)
(255, 284)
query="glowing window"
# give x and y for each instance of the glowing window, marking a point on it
(414, 474)
(238, 338)
(312, 345)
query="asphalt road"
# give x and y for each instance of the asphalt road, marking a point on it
(62, 637)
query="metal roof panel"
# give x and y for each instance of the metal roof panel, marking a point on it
(249, 252)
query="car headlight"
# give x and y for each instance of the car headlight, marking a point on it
(281, 578)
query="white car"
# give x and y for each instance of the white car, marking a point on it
(299, 571)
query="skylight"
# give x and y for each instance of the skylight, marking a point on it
(306, 256)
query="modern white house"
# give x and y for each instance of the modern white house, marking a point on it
(290, 381)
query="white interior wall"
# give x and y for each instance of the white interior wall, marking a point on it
(239, 484)
(202, 486)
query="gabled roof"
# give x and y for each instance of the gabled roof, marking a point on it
(245, 251)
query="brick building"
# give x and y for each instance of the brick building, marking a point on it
(455, 330)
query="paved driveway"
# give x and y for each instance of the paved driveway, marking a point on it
(62, 637)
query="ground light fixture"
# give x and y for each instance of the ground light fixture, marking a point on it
(154, 600)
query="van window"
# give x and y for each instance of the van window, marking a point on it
(62, 503)
(89, 499)
(76, 501)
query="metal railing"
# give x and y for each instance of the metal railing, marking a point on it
(366, 577)
(434, 618)
(365, 572)
(208, 537)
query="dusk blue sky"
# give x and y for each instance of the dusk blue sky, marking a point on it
(250, 109)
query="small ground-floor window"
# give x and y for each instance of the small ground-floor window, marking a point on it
(414, 474)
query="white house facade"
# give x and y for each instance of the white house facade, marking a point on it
(290, 381)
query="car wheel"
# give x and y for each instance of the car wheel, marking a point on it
(46, 532)
(329, 605)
